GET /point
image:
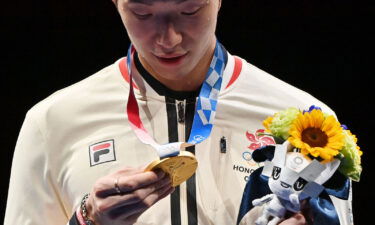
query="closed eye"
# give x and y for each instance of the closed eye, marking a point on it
(191, 13)
(142, 16)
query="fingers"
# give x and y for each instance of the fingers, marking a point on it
(134, 196)
(125, 211)
(138, 191)
(127, 181)
(134, 182)
(105, 186)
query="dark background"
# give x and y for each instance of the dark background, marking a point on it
(325, 47)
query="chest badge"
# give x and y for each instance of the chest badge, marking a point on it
(102, 152)
(256, 141)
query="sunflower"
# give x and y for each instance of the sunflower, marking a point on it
(317, 135)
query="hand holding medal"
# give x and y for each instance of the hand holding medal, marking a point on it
(179, 168)
(180, 165)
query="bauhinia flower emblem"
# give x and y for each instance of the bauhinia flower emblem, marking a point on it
(258, 140)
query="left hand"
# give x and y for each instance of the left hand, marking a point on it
(302, 218)
(296, 219)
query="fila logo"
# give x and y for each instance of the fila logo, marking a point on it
(102, 152)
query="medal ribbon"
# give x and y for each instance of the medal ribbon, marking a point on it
(205, 109)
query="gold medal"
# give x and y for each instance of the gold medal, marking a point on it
(179, 168)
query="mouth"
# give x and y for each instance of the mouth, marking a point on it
(170, 60)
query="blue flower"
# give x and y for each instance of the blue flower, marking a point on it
(344, 126)
(312, 107)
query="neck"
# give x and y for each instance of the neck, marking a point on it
(191, 81)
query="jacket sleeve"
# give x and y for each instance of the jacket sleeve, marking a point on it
(33, 197)
(344, 209)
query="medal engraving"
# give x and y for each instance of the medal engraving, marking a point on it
(179, 168)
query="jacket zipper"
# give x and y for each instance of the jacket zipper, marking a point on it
(181, 112)
(181, 106)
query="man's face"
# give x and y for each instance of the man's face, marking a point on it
(171, 36)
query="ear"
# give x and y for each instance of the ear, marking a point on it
(330, 169)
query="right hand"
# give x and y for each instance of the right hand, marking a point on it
(139, 191)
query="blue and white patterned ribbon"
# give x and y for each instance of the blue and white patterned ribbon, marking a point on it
(205, 109)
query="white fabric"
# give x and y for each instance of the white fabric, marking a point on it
(51, 166)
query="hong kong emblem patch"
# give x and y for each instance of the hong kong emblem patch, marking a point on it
(256, 141)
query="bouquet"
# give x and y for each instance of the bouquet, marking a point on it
(312, 148)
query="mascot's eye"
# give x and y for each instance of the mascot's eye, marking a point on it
(299, 184)
(276, 172)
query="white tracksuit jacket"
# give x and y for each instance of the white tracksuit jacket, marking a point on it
(81, 133)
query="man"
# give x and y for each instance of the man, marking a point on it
(79, 140)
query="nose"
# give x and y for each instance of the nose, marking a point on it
(168, 36)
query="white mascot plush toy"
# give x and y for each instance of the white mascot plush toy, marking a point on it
(293, 177)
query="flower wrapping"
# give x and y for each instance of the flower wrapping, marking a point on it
(318, 136)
